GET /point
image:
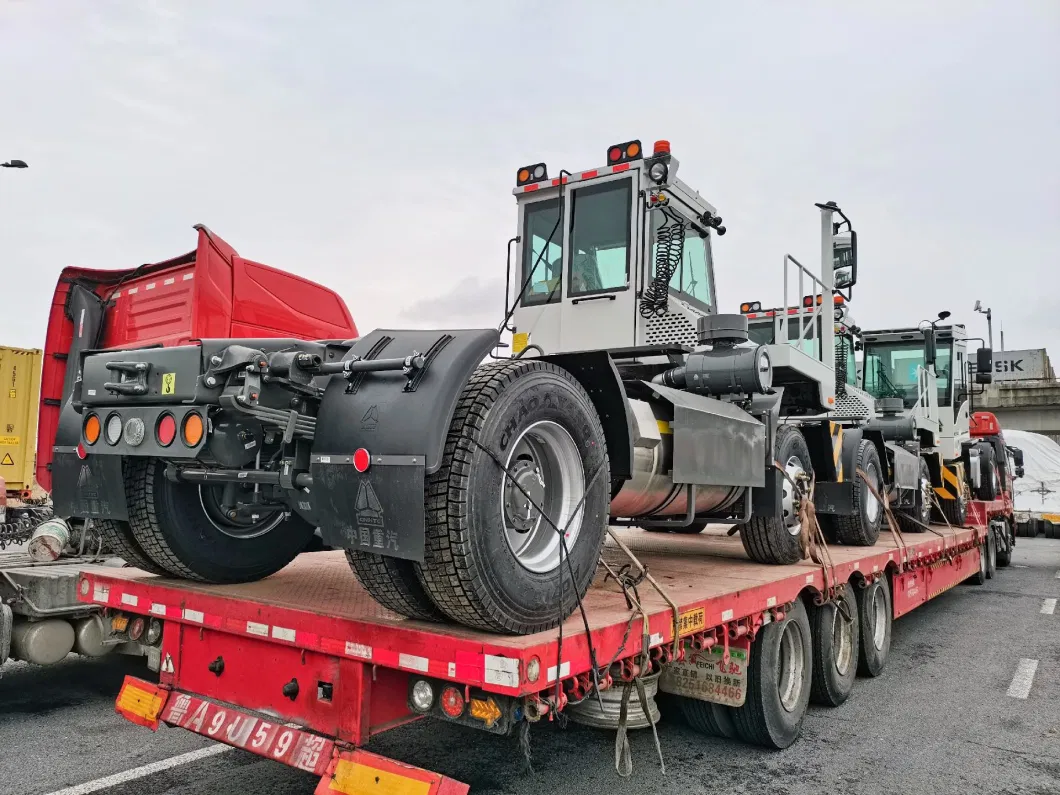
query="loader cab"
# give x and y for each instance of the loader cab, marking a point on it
(612, 257)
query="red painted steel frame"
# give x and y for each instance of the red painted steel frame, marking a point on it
(352, 660)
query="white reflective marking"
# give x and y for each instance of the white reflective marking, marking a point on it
(655, 639)
(414, 662)
(101, 593)
(501, 671)
(1058, 575)
(143, 771)
(282, 633)
(1048, 607)
(188, 276)
(771, 601)
(130, 599)
(254, 628)
(193, 615)
(1023, 679)
(358, 650)
(726, 615)
(134, 290)
(564, 670)
(151, 286)
(168, 282)
(874, 568)
(157, 609)
(809, 579)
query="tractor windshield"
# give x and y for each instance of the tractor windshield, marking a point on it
(542, 266)
(599, 239)
(891, 371)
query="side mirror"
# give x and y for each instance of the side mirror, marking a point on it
(984, 366)
(930, 352)
(845, 260)
(1017, 456)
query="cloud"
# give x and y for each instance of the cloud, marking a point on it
(471, 303)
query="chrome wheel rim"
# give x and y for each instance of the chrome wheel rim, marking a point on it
(792, 495)
(842, 642)
(925, 497)
(545, 464)
(791, 664)
(872, 505)
(235, 528)
(879, 618)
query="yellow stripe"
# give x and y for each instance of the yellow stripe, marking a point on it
(664, 427)
(354, 778)
(944, 493)
(947, 474)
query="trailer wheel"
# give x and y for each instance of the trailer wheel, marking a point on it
(174, 525)
(118, 538)
(1004, 551)
(492, 561)
(991, 553)
(779, 675)
(862, 528)
(923, 515)
(835, 633)
(394, 584)
(775, 539)
(705, 717)
(874, 617)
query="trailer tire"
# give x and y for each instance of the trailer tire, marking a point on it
(533, 418)
(1004, 552)
(705, 717)
(774, 539)
(909, 523)
(394, 584)
(779, 674)
(169, 522)
(835, 649)
(874, 618)
(862, 529)
(991, 553)
(118, 538)
(981, 574)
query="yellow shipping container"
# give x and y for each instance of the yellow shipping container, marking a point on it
(19, 401)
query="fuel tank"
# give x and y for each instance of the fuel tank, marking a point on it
(651, 491)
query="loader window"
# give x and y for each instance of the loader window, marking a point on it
(599, 238)
(693, 279)
(891, 371)
(542, 253)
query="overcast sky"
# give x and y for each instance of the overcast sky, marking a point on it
(373, 146)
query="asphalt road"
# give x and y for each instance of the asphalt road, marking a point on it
(939, 720)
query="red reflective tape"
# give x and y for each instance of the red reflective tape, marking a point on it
(620, 167)
(590, 174)
(529, 188)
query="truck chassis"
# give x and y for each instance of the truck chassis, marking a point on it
(305, 667)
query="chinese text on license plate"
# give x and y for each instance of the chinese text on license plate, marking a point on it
(707, 677)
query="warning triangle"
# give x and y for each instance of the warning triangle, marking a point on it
(8, 460)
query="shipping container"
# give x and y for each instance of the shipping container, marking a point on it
(20, 371)
(1022, 365)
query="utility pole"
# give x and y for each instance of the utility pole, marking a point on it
(989, 323)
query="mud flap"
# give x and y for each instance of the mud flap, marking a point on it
(89, 488)
(380, 510)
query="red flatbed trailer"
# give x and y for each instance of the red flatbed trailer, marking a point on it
(304, 667)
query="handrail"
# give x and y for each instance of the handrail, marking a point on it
(807, 319)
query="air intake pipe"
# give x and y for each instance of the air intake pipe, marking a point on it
(722, 368)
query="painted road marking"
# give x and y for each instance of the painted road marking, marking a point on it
(143, 771)
(1058, 575)
(1023, 679)
(1048, 607)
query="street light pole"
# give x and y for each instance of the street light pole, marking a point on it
(989, 321)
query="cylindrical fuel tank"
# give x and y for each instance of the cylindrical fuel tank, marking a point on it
(88, 637)
(42, 642)
(651, 491)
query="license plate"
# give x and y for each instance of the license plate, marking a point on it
(706, 676)
(119, 623)
(286, 744)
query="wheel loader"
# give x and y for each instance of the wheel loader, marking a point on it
(471, 486)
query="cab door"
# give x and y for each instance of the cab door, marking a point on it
(601, 242)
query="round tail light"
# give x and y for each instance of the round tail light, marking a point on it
(92, 429)
(166, 430)
(193, 429)
(136, 628)
(114, 429)
(452, 702)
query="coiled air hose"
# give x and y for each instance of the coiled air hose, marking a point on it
(669, 248)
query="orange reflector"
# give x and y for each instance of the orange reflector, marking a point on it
(354, 778)
(838, 299)
(192, 430)
(141, 702)
(524, 175)
(486, 711)
(92, 429)
(119, 623)
(633, 149)
(745, 307)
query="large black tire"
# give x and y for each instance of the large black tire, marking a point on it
(766, 718)
(980, 576)
(991, 554)
(987, 490)
(770, 539)
(862, 529)
(118, 538)
(393, 583)
(835, 649)
(875, 616)
(1004, 551)
(714, 720)
(470, 568)
(953, 511)
(912, 522)
(168, 521)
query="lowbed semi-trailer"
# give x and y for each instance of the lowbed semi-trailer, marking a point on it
(305, 667)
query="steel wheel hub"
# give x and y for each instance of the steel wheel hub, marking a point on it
(792, 494)
(792, 663)
(236, 526)
(925, 493)
(842, 642)
(542, 491)
(872, 505)
(879, 619)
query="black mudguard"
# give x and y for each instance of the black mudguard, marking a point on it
(403, 424)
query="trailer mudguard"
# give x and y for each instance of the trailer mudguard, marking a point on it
(402, 423)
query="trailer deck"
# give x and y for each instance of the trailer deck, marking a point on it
(309, 647)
